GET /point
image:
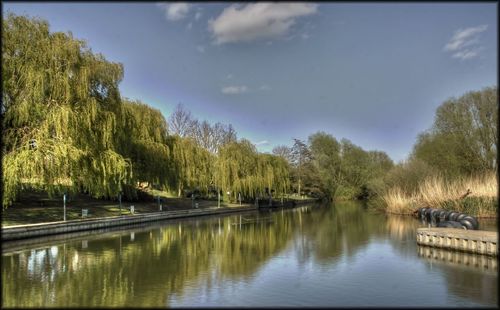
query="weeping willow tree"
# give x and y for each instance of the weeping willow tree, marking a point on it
(274, 173)
(240, 169)
(191, 165)
(61, 114)
(145, 143)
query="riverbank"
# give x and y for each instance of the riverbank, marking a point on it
(473, 196)
(35, 208)
(64, 227)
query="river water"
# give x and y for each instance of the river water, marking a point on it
(332, 256)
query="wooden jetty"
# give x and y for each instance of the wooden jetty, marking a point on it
(472, 241)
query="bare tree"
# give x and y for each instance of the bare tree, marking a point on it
(211, 137)
(180, 122)
(284, 152)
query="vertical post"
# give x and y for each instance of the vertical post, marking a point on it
(218, 198)
(239, 198)
(192, 200)
(64, 204)
(120, 201)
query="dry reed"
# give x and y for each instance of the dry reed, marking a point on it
(477, 195)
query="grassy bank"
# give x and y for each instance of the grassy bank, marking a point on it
(33, 207)
(476, 196)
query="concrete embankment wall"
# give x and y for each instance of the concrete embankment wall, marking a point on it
(472, 241)
(43, 229)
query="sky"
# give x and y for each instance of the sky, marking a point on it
(373, 73)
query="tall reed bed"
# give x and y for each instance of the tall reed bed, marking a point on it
(476, 196)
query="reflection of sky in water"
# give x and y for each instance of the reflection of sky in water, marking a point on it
(375, 276)
(38, 260)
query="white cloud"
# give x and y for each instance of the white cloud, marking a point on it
(467, 53)
(175, 11)
(200, 48)
(257, 21)
(464, 37)
(234, 90)
(465, 42)
(263, 142)
(197, 16)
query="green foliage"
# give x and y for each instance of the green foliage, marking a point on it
(145, 143)
(191, 165)
(408, 175)
(60, 113)
(345, 170)
(464, 137)
(241, 169)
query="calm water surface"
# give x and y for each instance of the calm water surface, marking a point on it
(342, 255)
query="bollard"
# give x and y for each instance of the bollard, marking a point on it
(161, 207)
(131, 209)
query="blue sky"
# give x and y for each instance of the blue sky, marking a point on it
(373, 73)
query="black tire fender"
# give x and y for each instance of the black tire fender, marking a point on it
(442, 214)
(421, 212)
(466, 223)
(453, 216)
(435, 213)
(473, 221)
(460, 216)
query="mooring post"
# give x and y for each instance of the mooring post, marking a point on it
(239, 198)
(120, 202)
(218, 198)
